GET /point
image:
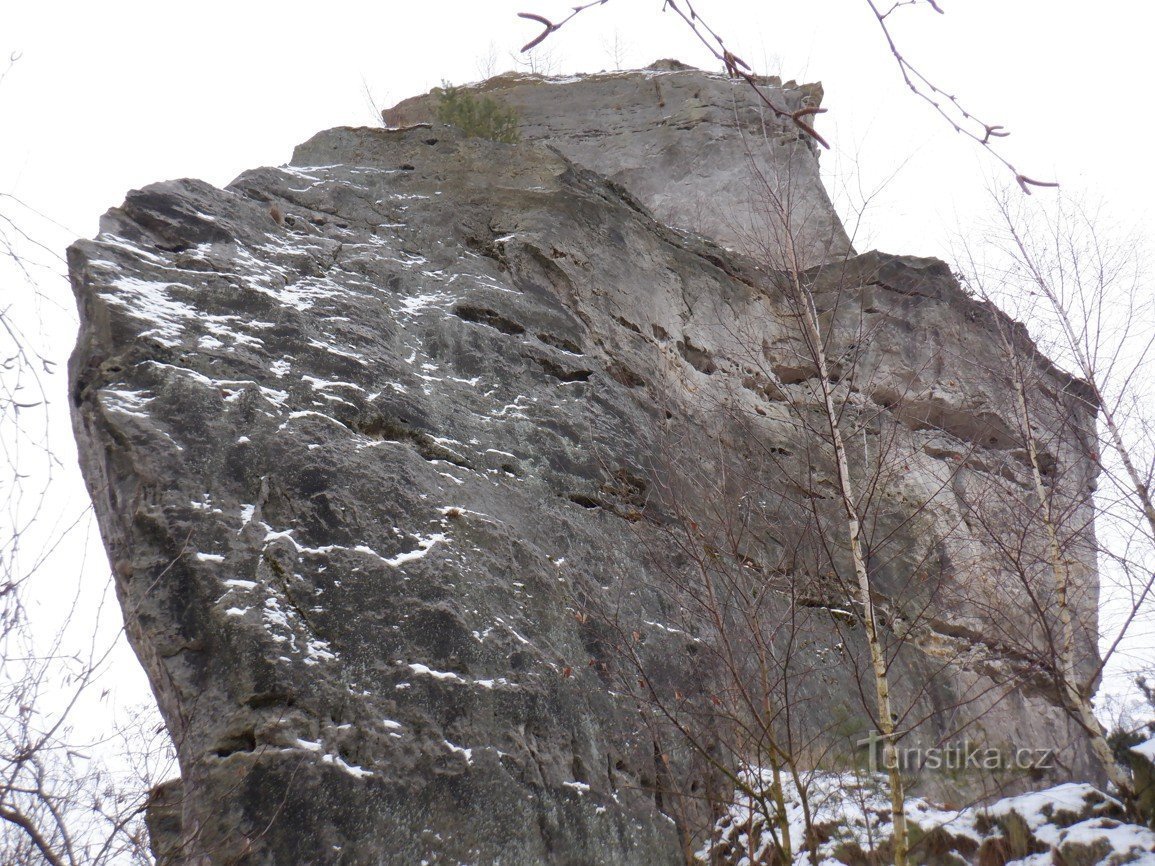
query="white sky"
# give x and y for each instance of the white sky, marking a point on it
(114, 95)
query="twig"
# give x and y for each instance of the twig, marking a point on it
(735, 66)
(946, 104)
(549, 26)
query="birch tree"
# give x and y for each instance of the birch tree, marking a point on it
(1083, 293)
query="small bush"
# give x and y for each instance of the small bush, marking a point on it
(476, 116)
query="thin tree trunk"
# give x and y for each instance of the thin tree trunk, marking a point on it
(808, 315)
(1078, 704)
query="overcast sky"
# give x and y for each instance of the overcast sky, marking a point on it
(114, 95)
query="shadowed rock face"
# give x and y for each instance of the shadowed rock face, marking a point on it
(688, 144)
(392, 446)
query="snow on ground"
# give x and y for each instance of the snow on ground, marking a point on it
(852, 816)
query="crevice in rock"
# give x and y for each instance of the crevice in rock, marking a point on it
(377, 426)
(627, 488)
(562, 374)
(627, 324)
(983, 429)
(623, 375)
(284, 576)
(566, 345)
(765, 388)
(488, 248)
(585, 501)
(264, 700)
(486, 316)
(794, 374)
(537, 273)
(700, 359)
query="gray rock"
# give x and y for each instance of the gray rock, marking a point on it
(390, 449)
(687, 144)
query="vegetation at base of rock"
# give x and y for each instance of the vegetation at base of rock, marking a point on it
(477, 116)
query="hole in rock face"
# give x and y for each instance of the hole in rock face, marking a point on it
(244, 741)
(375, 425)
(1047, 463)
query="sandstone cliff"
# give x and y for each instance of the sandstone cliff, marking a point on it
(701, 151)
(389, 448)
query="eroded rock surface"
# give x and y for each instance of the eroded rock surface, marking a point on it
(692, 146)
(380, 441)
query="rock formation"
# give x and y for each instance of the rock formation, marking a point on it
(390, 448)
(686, 145)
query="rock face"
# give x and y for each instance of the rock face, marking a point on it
(689, 146)
(407, 456)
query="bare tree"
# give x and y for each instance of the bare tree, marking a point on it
(615, 49)
(733, 598)
(62, 802)
(537, 61)
(487, 63)
(735, 590)
(779, 547)
(1085, 297)
(805, 308)
(59, 803)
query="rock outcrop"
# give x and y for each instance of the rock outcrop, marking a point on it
(703, 152)
(392, 448)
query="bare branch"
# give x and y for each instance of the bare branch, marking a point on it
(29, 828)
(549, 26)
(735, 66)
(946, 104)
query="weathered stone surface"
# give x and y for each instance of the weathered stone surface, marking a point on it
(687, 144)
(377, 439)
(164, 817)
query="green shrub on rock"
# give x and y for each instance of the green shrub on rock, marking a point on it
(476, 116)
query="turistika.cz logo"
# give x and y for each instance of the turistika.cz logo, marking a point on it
(963, 756)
